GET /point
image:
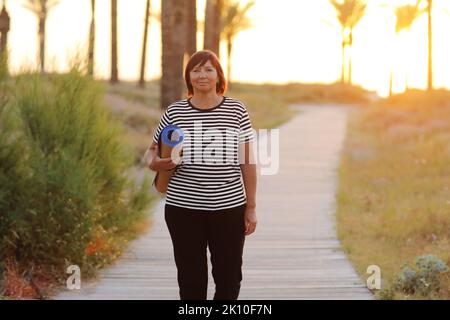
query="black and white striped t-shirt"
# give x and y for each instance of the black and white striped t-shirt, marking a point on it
(209, 175)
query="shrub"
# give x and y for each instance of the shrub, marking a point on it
(3, 102)
(64, 175)
(424, 278)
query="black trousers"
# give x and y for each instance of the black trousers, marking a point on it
(192, 231)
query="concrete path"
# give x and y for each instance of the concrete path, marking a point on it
(294, 254)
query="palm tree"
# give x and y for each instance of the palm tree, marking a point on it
(430, 6)
(191, 28)
(350, 13)
(405, 17)
(91, 48)
(4, 28)
(234, 21)
(359, 10)
(212, 25)
(343, 11)
(144, 45)
(114, 59)
(41, 9)
(430, 46)
(173, 22)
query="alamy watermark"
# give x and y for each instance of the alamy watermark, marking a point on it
(213, 146)
(374, 280)
(74, 281)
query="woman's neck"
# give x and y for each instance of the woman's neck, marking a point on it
(205, 100)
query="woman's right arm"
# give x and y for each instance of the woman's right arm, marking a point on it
(154, 162)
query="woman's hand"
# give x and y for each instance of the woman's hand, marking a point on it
(160, 164)
(250, 220)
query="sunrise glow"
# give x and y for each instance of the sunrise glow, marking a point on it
(291, 40)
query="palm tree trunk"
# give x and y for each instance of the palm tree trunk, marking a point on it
(391, 76)
(41, 31)
(91, 41)
(430, 47)
(212, 26)
(229, 49)
(191, 19)
(350, 42)
(114, 69)
(343, 58)
(173, 21)
(144, 46)
(5, 29)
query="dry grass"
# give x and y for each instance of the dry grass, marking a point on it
(394, 192)
(30, 283)
(268, 104)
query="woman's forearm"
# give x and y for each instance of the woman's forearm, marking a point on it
(248, 169)
(249, 176)
(149, 155)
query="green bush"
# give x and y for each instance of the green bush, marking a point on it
(65, 193)
(3, 101)
(424, 278)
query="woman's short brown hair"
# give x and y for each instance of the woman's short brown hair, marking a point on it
(201, 57)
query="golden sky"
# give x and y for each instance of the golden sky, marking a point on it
(291, 41)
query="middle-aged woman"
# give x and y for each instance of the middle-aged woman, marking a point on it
(207, 202)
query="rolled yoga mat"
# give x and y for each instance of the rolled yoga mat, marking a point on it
(170, 143)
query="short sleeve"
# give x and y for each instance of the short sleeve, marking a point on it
(245, 127)
(163, 122)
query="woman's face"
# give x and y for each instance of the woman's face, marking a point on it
(204, 78)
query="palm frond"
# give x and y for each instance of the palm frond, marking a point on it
(39, 7)
(51, 4)
(349, 12)
(32, 5)
(406, 15)
(359, 11)
(234, 19)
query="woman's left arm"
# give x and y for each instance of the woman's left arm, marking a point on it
(249, 175)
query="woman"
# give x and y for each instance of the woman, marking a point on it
(207, 204)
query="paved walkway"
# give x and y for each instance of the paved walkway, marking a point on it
(294, 254)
